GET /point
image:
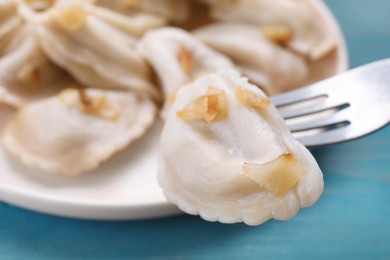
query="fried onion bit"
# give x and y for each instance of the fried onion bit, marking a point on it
(30, 75)
(132, 3)
(71, 17)
(186, 60)
(87, 104)
(278, 33)
(211, 107)
(278, 176)
(252, 99)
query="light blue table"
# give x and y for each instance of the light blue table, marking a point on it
(350, 221)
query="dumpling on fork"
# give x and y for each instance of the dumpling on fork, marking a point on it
(178, 57)
(77, 130)
(264, 62)
(295, 23)
(95, 53)
(227, 155)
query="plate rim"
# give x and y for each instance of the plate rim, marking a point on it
(85, 209)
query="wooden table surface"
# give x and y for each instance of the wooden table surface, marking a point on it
(350, 221)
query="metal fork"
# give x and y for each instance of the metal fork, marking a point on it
(342, 108)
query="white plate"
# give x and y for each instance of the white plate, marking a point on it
(126, 186)
(123, 188)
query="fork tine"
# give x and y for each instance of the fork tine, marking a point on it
(296, 96)
(328, 137)
(317, 114)
(319, 106)
(336, 118)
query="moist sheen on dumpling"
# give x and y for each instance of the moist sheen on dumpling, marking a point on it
(227, 155)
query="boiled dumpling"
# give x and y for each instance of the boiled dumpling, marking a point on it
(26, 73)
(278, 18)
(77, 130)
(264, 62)
(227, 155)
(178, 57)
(173, 10)
(92, 51)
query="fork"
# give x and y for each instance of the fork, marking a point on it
(342, 108)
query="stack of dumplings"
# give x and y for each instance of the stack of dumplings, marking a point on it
(81, 80)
